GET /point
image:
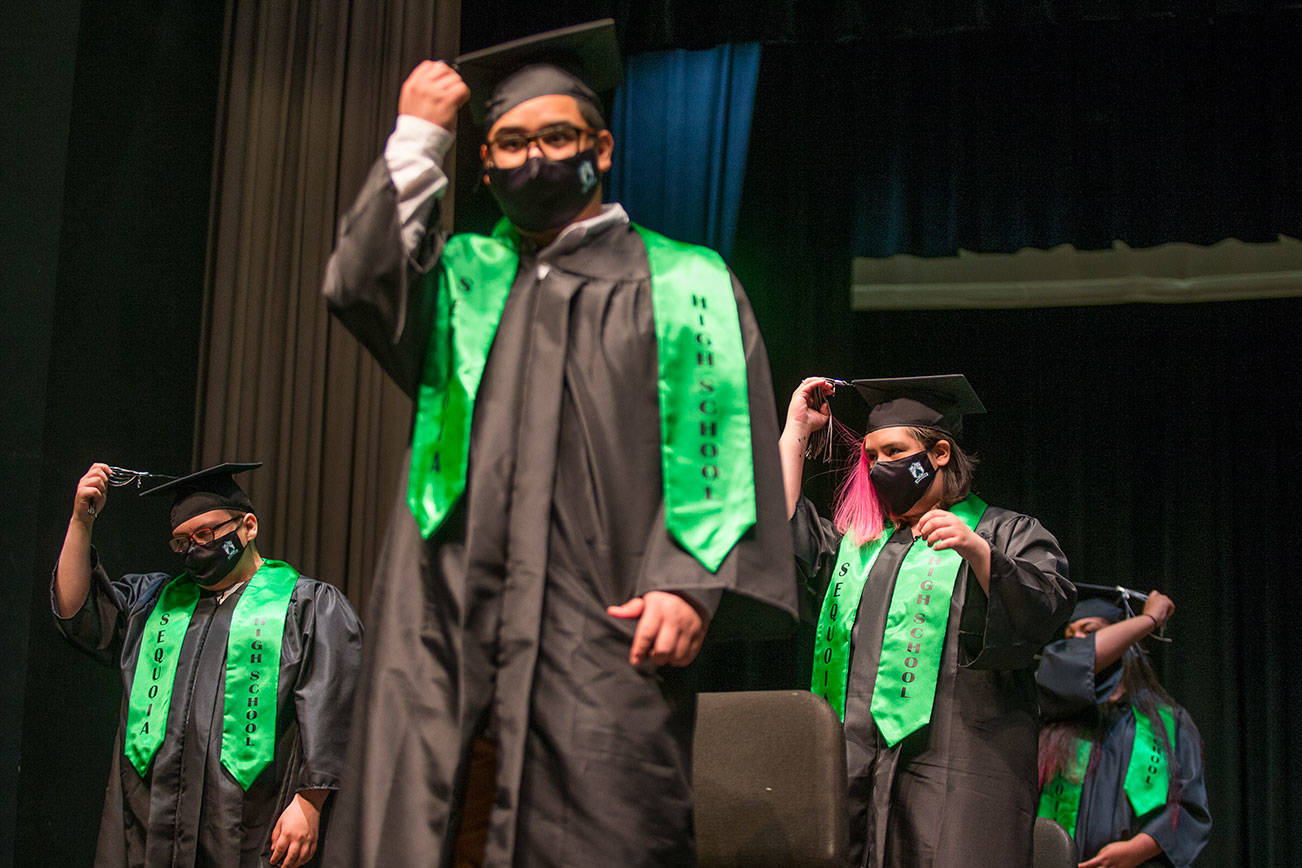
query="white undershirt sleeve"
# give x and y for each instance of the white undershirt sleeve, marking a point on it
(413, 153)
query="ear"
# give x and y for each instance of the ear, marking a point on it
(250, 527)
(483, 161)
(940, 453)
(605, 148)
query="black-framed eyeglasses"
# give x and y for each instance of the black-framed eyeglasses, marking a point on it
(557, 142)
(202, 536)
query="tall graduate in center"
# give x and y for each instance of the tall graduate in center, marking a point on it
(593, 466)
(934, 607)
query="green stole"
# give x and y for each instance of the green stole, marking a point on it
(705, 442)
(252, 671)
(1148, 774)
(914, 637)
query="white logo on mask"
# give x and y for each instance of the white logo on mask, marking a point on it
(587, 176)
(917, 471)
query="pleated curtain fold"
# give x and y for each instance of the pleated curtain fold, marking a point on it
(308, 95)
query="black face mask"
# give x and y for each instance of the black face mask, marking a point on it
(542, 194)
(209, 564)
(902, 482)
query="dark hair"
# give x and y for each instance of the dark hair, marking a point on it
(959, 473)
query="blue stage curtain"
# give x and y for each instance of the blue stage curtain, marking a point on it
(681, 123)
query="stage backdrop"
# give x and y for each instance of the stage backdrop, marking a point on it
(309, 95)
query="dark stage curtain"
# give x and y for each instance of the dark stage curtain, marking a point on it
(681, 122)
(309, 94)
(1157, 442)
(108, 119)
(1143, 134)
(663, 24)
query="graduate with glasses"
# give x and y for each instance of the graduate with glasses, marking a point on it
(238, 676)
(593, 465)
(934, 606)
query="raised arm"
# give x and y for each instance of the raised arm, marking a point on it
(1112, 641)
(807, 413)
(388, 242)
(72, 577)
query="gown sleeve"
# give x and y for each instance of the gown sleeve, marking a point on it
(1029, 602)
(323, 693)
(98, 626)
(1181, 829)
(815, 543)
(1065, 679)
(380, 292)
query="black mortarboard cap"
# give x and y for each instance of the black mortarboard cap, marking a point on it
(581, 61)
(211, 488)
(939, 402)
(1102, 601)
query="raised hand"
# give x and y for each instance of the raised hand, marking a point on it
(434, 91)
(92, 492)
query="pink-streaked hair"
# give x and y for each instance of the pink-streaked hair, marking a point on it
(857, 510)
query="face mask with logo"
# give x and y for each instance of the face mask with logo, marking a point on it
(542, 194)
(902, 482)
(208, 564)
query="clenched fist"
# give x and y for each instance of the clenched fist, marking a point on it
(434, 91)
(92, 491)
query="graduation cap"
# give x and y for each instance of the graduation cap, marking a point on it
(939, 402)
(1112, 603)
(212, 488)
(580, 61)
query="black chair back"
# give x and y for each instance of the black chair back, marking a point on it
(769, 779)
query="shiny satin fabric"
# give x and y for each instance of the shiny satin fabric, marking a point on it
(497, 623)
(187, 808)
(963, 787)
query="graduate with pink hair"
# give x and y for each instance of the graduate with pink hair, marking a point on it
(934, 605)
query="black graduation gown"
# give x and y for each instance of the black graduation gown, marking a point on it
(1068, 692)
(500, 615)
(962, 789)
(188, 809)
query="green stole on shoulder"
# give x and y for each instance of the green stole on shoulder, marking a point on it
(252, 671)
(705, 444)
(1148, 774)
(914, 637)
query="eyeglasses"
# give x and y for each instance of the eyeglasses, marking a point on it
(202, 536)
(557, 142)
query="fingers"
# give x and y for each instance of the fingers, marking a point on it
(632, 609)
(92, 492)
(292, 856)
(279, 844)
(644, 638)
(433, 91)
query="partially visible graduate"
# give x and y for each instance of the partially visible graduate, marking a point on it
(237, 674)
(1121, 763)
(934, 608)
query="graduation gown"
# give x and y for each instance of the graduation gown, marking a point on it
(1068, 692)
(497, 622)
(962, 789)
(188, 809)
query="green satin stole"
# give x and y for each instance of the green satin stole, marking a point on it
(705, 443)
(252, 671)
(914, 637)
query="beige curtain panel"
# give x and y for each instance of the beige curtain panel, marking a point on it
(308, 95)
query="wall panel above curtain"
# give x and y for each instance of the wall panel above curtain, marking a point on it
(681, 123)
(309, 92)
